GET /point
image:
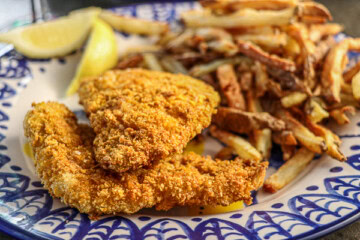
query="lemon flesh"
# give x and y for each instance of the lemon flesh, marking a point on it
(100, 54)
(217, 209)
(51, 39)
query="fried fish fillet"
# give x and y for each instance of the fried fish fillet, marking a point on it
(66, 165)
(140, 116)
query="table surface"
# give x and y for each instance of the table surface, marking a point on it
(344, 12)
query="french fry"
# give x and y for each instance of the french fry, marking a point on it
(256, 53)
(230, 86)
(228, 48)
(274, 88)
(152, 62)
(332, 141)
(288, 151)
(241, 146)
(253, 104)
(238, 121)
(202, 69)
(340, 115)
(246, 80)
(242, 18)
(233, 5)
(262, 142)
(334, 66)
(292, 48)
(143, 49)
(288, 80)
(350, 74)
(133, 25)
(225, 153)
(130, 62)
(323, 48)
(293, 99)
(271, 41)
(289, 170)
(303, 134)
(261, 79)
(319, 31)
(300, 34)
(314, 9)
(172, 65)
(315, 111)
(355, 85)
(285, 137)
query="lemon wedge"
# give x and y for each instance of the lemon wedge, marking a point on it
(217, 209)
(54, 38)
(100, 54)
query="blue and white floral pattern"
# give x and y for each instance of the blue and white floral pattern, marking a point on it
(303, 210)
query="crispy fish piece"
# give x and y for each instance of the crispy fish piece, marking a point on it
(140, 116)
(66, 165)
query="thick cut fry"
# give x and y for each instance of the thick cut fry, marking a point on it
(288, 80)
(334, 66)
(253, 104)
(246, 80)
(289, 170)
(274, 88)
(319, 31)
(172, 65)
(241, 146)
(340, 115)
(130, 62)
(233, 5)
(225, 153)
(230, 86)
(300, 34)
(241, 18)
(133, 25)
(226, 47)
(261, 79)
(293, 99)
(262, 142)
(202, 69)
(244, 122)
(315, 111)
(152, 62)
(271, 41)
(256, 53)
(314, 9)
(322, 48)
(288, 151)
(332, 141)
(349, 74)
(284, 138)
(355, 85)
(303, 134)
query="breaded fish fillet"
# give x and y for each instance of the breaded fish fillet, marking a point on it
(66, 165)
(140, 116)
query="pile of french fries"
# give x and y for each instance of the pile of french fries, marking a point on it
(278, 69)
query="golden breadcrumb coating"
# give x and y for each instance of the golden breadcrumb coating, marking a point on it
(140, 116)
(66, 165)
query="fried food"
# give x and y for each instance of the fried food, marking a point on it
(141, 116)
(66, 165)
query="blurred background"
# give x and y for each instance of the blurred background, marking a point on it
(18, 12)
(345, 12)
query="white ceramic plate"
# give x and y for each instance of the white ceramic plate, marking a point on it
(325, 197)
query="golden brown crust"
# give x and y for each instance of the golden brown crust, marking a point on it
(65, 163)
(140, 116)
